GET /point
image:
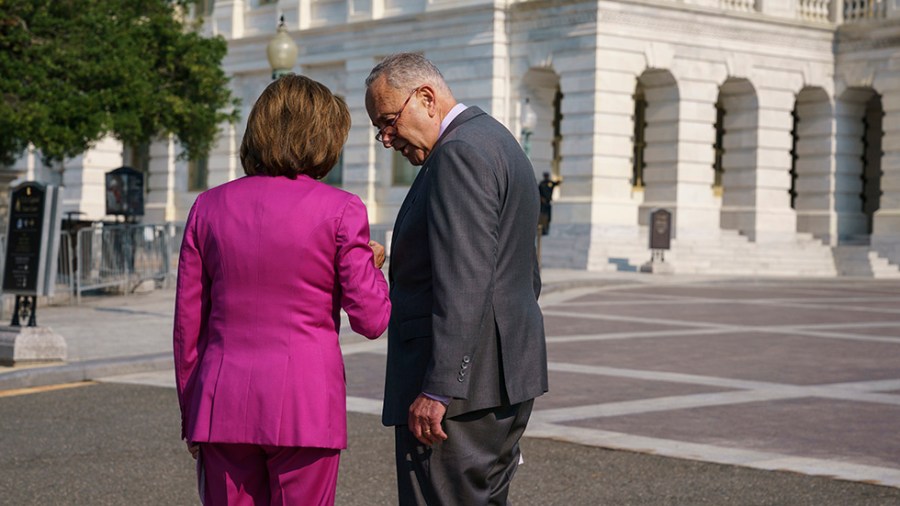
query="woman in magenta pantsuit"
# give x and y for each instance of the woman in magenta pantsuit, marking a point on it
(267, 263)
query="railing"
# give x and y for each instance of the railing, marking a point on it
(123, 256)
(820, 11)
(739, 5)
(815, 10)
(860, 10)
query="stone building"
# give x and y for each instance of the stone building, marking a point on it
(770, 129)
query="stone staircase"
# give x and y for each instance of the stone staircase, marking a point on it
(860, 260)
(730, 253)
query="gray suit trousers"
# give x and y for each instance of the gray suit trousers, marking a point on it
(473, 467)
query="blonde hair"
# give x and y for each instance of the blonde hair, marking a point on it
(297, 126)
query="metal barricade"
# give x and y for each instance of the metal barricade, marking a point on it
(115, 256)
(123, 256)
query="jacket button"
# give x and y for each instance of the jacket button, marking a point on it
(466, 359)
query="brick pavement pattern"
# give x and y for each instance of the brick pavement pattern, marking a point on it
(798, 375)
(776, 374)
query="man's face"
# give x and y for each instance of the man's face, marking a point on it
(404, 120)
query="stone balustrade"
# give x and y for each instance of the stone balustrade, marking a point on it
(861, 10)
(235, 19)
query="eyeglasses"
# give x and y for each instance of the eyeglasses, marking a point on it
(384, 130)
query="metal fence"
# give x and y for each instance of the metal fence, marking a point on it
(119, 257)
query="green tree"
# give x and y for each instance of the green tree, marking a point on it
(73, 71)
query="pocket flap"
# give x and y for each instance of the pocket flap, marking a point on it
(418, 327)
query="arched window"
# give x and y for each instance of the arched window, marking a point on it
(719, 148)
(793, 189)
(639, 142)
(870, 193)
(557, 133)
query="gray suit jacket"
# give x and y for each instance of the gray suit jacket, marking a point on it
(464, 276)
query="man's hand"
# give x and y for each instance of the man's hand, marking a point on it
(378, 251)
(425, 415)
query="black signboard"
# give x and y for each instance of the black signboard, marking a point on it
(660, 229)
(125, 192)
(24, 239)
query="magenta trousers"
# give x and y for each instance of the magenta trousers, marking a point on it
(254, 475)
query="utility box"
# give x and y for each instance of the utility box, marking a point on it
(125, 192)
(660, 229)
(660, 241)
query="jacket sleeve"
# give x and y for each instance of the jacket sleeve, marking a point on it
(191, 312)
(464, 207)
(364, 291)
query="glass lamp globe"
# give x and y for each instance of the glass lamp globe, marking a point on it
(281, 52)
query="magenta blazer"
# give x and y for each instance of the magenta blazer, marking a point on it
(266, 265)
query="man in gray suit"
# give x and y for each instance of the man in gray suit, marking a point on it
(466, 348)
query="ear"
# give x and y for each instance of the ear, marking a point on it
(429, 99)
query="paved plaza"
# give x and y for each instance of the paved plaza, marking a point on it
(795, 375)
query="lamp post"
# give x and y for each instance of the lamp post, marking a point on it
(281, 51)
(529, 122)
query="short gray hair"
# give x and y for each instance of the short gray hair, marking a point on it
(405, 71)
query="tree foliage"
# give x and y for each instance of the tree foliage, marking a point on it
(73, 71)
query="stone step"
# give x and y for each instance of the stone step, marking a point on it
(728, 252)
(860, 260)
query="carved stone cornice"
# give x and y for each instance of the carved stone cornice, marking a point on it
(672, 19)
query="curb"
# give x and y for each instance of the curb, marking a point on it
(84, 371)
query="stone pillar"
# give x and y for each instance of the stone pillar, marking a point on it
(815, 166)
(775, 220)
(224, 161)
(661, 137)
(740, 158)
(778, 8)
(679, 155)
(849, 112)
(361, 173)
(84, 179)
(697, 212)
(596, 205)
(886, 234)
(228, 18)
(757, 161)
(159, 199)
(892, 9)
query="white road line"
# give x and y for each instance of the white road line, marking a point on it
(770, 461)
(811, 330)
(656, 404)
(637, 335)
(863, 391)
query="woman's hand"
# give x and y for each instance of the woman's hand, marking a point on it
(378, 251)
(193, 448)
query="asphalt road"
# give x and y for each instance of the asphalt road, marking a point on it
(117, 444)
